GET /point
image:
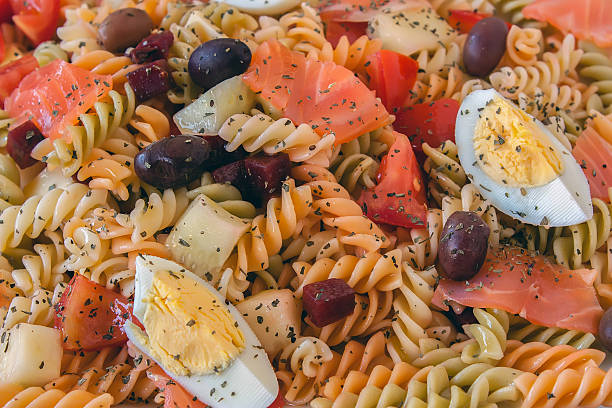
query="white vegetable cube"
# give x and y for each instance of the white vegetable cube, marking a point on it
(31, 355)
(207, 113)
(423, 26)
(205, 236)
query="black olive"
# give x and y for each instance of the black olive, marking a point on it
(463, 245)
(124, 28)
(217, 60)
(485, 46)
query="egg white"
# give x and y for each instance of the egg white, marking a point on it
(264, 7)
(566, 200)
(250, 376)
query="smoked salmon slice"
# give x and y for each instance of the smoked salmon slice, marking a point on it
(586, 19)
(324, 95)
(56, 95)
(594, 154)
(530, 285)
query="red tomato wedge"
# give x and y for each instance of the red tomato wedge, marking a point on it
(336, 29)
(586, 19)
(324, 95)
(12, 73)
(399, 197)
(432, 122)
(594, 154)
(392, 76)
(6, 12)
(55, 95)
(464, 20)
(37, 19)
(90, 316)
(175, 396)
(533, 286)
(363, 10)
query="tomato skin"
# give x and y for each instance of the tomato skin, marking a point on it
(6, 11)
(392, 76)
(175, 396)
(352, 30)
(90, 316)
(464, 20)
(279, 402)
(11, 74)
(432, 122)
(37, 19)
(399, 197)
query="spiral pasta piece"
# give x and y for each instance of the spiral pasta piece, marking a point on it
(431, 386)
(93, 130)
(79, 34)
(490, 334)
(442, 7)
(370, 315)
(229, 19)
(282, 219)
(353, 56)
(446, 174)
(522, 330)
(596, 66)
(261, 132)
(322, 244)
(36, 309)
(373, 271)
(108, 371)
(420, 248)
(590, 388)
(535, 357)
(226, 195)
(382, 387)
(442, 60)
(523, 45)
(45, 269)
(10, 183)
(411, 306)
(13, 395)
(151, 125)
(46, 212)
(49, 51)
(550, 70)
(106, 63)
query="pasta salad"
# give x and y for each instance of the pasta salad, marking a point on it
(332, 203)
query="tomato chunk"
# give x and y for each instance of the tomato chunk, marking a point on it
(433, 123)
(399, 197)
(37, 19)
(90, 316)
(11, 74)
(6, 11)
(175, 396)
(392, 76)
(55, 95)
(464, 20)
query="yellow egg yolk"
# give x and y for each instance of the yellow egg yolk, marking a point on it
(512, 149)
(188, 329)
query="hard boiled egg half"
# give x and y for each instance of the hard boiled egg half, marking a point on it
(198, 338)
(518, 164)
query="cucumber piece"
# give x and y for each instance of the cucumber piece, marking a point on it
(207, 113)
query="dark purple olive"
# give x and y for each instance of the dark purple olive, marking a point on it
(178, 160)
(217, 60)
(152, 48)
(124, 28)
(605, 329)
(150, 80)
(20, 142)
(463, 245)
(465, 317)
(485, 46)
